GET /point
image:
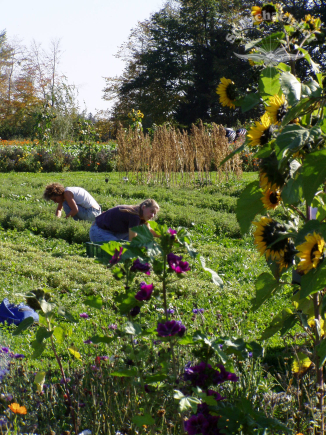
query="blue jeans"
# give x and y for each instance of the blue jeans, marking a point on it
(96, 235)
(84, 214)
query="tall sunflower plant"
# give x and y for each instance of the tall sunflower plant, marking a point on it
(287, 205)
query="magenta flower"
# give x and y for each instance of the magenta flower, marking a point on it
(141, 267)
(112, 326)
(84, 315)
(116, 256)
(203, 375)
(176, 263)
(145, 292)
(172, 232)
(170, 328)
(196, 424)
(88, 341)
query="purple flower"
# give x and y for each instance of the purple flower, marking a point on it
(88, 341)
(104, 358)
(116, 256)
(176, 264)
(112, 326)
(18, 355)
(172, 232)
(5, 349)
(84, 315)
(170, 311)
(204, 375)
(250, 354)
(201, 310)
(141, 267)
(215, 394)
(170, 328)
(195, 310)
(196, 424)
(134, 311)
(145, 292)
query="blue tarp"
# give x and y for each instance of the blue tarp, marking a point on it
(12, 313)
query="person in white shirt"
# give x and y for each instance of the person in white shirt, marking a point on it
(75, 201)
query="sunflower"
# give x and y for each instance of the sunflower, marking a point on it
(17, 409)
(256, 14)
(264, 181)
(286, 260)
(310, 252)
(269, 13)
(266, 235)
(277, 108)
(272, 197)
(226, 91)
(261, 134)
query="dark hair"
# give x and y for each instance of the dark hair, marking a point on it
(138, 209)
(53, 189)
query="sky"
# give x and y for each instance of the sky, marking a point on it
(90, 33)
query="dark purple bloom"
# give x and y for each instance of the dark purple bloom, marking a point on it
(215, 394)
(176, 263)
(170, 328)
(170, 311)
(203, 375)
(88, 341)
(18, 355)
(116, 256)
(201, 310)
(195, 310)
(141, 267)
(5, 349)
(112, 326)
(84, 315)
(145, 292)
(250, 354)
(134, 311)
(211, 427)
(196, 424)
(222, 375)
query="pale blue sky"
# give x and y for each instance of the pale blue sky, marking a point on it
(90, 31)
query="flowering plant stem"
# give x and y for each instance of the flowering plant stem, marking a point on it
(72, 412)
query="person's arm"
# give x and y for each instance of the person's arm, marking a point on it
(132, 234)
(58, 210)
(69, 197)
(151, 230)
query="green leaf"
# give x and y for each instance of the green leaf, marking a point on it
(141, 420)
(296, 111)
(292, 138)
(39, 380)
(311, 89)
(301, 363)
(256, 349)
(102, 339)
(292, 192)
(42, 333)
(126, 301)
(187, 403)
(313, 173)
(132, 328)
(291, 87)
(127, 373)
(62, 311)
(152, 379)
(94, 302)
(249, 205)
(249, 101)
(313, 281)
(277, 324)
(25, 324)
(319, 202)
(321, 352)
(111, 247)
(59, 334)
(185, 340)
(45, 306)
(38, 348)
(269, 82)
(215, 278)
(145, 238)
(265, 285)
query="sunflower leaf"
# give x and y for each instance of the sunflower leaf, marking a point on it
(269, 82)
(265, 285)
(291, 87)
(313, 173)
(249, 205)
(321, 352)
(313, 281)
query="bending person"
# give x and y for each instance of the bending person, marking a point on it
(76, 202)
(116, 223)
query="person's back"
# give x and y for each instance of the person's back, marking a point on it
(118, 219)
(82, 197)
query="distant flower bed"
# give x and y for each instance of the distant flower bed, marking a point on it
(28, 156)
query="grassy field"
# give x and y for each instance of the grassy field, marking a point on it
(39, 251)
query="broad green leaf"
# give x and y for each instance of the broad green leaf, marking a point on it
(141, 420)
(296, 111)
(185, 340)
(313, 281)
(292, 193)
(300, 364)
(102, 339)
(288, 324)
(307, 56)
(62, 311)
(132, 328)
(46, 306)
(249, 205)
(249, 101)
(319, 202)
(94, 302)
(291, 87)
(311, 89)
(25, 324)
(42, 334)
(38, 348)
(159, 229)
(126, 301)
(292, 138)
(178, 395)
(321, 352)
(187, 403)
(215, 278)
(222, 355)
(59, 334)
(111, 247)
(127, 373)
(265, 285)
(151, 379)
(313, 173)
(145, 238)
(276, 324)
(269, 82)
(256, 349)
(73, 350)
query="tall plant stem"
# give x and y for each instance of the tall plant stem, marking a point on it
(164, 289)
(72, 412)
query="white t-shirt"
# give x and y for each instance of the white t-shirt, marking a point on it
(82, 197)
